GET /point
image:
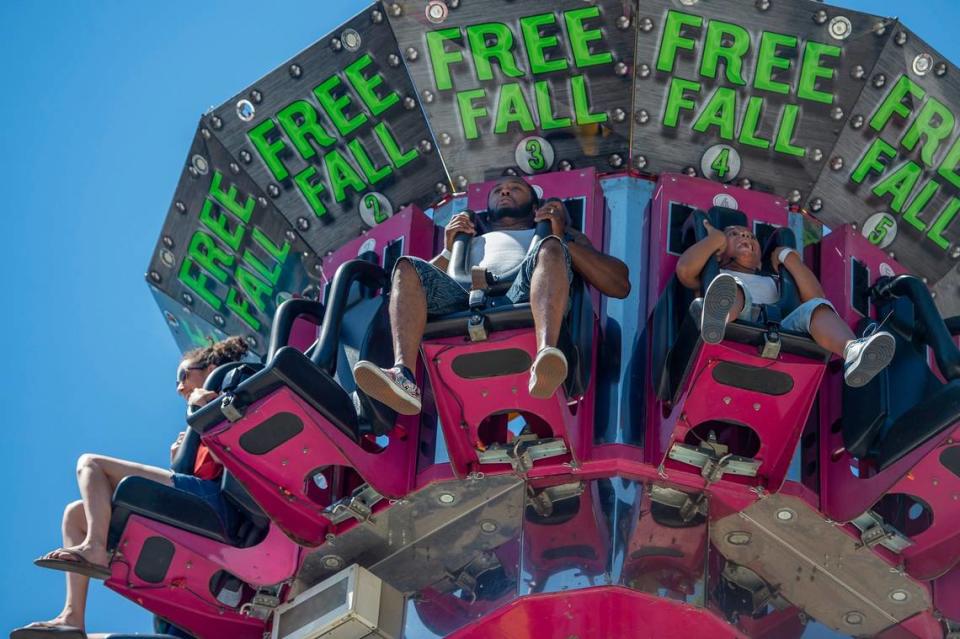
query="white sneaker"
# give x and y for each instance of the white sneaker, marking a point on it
(548, 371)
(718, 301)
(865, 357)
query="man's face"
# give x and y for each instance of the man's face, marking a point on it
(511, 197)
(742, 247)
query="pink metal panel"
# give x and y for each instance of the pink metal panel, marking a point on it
(184, 597)
(281, 480)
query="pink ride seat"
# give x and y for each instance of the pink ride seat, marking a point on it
(174, 556)
(735, 410)
(314, 452)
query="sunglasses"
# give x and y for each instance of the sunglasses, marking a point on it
(184, 370)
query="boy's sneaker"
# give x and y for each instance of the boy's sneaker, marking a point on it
(548, 371)
(389, 386)
(865, 357)
(719, 299)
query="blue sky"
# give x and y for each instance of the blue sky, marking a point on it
(99, 104)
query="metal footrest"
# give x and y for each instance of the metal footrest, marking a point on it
(876, 532)
(713, 466)
(524, 451)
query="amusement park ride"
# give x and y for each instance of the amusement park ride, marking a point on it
(670, 487)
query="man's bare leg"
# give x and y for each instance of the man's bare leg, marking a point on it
(408, 314)
(549, 292)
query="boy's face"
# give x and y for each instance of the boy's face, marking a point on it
(742, 247)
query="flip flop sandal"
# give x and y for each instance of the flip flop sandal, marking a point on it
(44, 630)
(79, 565)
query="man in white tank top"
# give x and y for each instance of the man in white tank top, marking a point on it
(740, 286)
(423, 289)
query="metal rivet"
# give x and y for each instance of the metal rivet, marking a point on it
(858, 72)
(756, 407)
(154, 277)
(793, 196)
(167, 241)
(187, 298)
(262, 201)
(853, 618)
(217, 122)
(245, 156)
(836, 163)
(727, 400)
(642, 116)
(621, 68)
(940, 70)
(644, 70)
(619, 115)
(251, 341)
(295, 70)
(816, 155)
(335, 44)
(303, 223)
(409, 103)
(441, 188)
(425, 146)
(332, 562)
(646, 25)
(218, 320)
(900, 39)
(393, 60)
(745, 183)
(273, 190)
(461, 182)
(376, 17)
(427, 96)
(762, 5)
(836, 113)
(205, 132)
(445, 139)
(446, 498)
(564, 165)
(922, 64)
(690, 171)
(785, 514)
(623, 23)
(879, 80)
(899, 596)
(820, 17)
(290, 235)
(816, 205)
(351, 40)
(840, 28)
(234, 167)
(180, 206)
(411, 54)
(256, 95)
(857, 121)
(640, 162)
(488, 526)
(739, 538)
(396, 10)
(616, 160)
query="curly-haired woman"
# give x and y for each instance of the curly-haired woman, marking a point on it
(87, 521)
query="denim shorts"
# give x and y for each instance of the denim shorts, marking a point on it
(797, 320)
(445, 296)
(205, 489)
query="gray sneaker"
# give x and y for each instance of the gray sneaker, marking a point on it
(718, 301)
(865, 357)
(388, 386)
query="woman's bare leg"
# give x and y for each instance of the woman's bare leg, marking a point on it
(74, 606)
(97, 478)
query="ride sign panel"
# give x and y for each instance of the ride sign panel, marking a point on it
(895, 170)
(748, 92)
(524, 87)
(225, 255)
(335, 136)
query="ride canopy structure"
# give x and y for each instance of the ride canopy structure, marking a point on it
(670, 487)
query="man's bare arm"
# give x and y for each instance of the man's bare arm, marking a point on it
(605, 273)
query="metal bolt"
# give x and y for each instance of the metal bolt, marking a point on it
(217, 122)
(167, 241)
(619, 115)
(785, 514)
(303, 223)
(816, 205)
(857, 121)
(488, 526)
(816, 155)
(351, 40)
(295, 70)
(840, 28)
(335, 44)
(793, 196)
(858, 72)
(836, 163)
(853, 618)
(256, 95)
(623, 23)
(262, 201)
(411, 54)
(690, 171)
(640, 162)
(461, 182)
(441, 188)
(180, 206)
(756, 407)
(393, 60)
(409, 103)
(332, 562)
(621, 69)
(376, 17)
(445, 139)
(762, 5)
(646, 25)
(446, 498)
(234, 167)
(745, 183)
(273, 190)
(879, 80)
(820, 17)
(396, 10)
(836, 113)
(187, 298)
(154, 276)
(616, 160)
(739, 538)
(899, 596)
(425, 146)
(727, 400)
(205, 132)
(436, 11)
(940, 70)
(427, 96)
(564, 165)
(290, 235)
(900, 39)
(644, 70)
(218, 320)
(642, 116)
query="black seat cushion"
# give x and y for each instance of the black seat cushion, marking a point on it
(178, 508)
(294, 370)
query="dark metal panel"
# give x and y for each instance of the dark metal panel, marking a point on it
(909, 228)
(798, 25)
(225, 256)
(189, 330)
(518, 131)
(381, 157)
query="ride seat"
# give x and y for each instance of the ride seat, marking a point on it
(766, 376)
(315, 452)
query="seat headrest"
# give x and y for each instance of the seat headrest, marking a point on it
(721, 217)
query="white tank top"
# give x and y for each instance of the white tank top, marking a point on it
(763, 290)
(500, 251)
